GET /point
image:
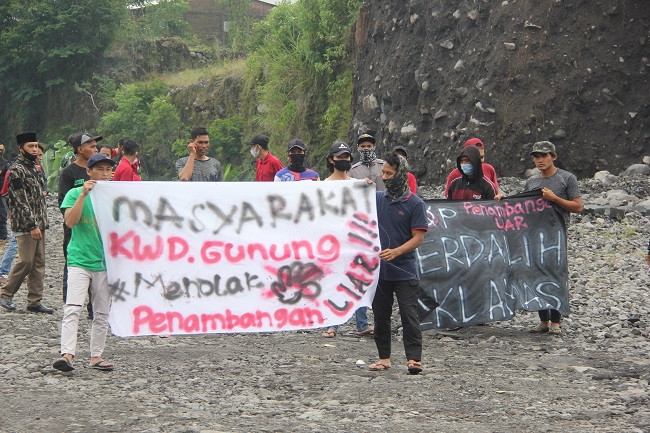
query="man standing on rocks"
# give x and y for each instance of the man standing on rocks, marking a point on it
(296, 169)
(198, 166)
(27, 207)
(87, 267)
(402, 224)
(74, 175)
(369, 166)
(561, 189)
(266, 164)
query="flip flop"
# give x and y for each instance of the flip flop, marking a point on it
(367, 331)
(378, 366)
(539, 329)
(414, 367)
(330, 333)
(102, 365)
(63, 364)
(555, 331)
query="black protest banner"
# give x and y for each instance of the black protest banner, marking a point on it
(482, 260)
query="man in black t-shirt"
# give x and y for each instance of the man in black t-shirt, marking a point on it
(84, 146)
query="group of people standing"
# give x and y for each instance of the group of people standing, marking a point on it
(401, 218)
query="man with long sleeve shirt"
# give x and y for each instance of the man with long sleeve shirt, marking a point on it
(26, 204)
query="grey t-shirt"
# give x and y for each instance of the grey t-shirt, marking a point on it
(562, 183)
(372, 172)
(204, 171)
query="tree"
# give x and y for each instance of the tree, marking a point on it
(47, 44)
(240, 25)
(144, 113)
(300, 73)
(167, 19)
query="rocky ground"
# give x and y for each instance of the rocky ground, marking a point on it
(498, 377)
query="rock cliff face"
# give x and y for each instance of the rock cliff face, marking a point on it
(429, 75)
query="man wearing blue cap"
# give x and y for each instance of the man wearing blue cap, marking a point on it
(26, 203)
(86, 267)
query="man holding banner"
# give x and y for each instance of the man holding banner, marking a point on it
(86, 267)
(402, 224)
(560, 188)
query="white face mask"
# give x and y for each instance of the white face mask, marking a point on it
(255, 151)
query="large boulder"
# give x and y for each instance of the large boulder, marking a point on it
(637, 169)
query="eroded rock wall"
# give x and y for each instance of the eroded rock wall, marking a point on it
(429, 75)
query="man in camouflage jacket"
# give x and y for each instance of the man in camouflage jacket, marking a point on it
(26, 203)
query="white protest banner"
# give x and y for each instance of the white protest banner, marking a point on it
(188, 258)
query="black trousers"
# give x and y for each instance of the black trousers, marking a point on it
(407, 293)
(555, 316)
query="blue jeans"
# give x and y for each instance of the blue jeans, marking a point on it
(9, 256)
(361, 318)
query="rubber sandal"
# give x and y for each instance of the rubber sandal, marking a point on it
(63, 364)
(330, 333)
(555, 331)
(366, 332)
(539, 329)
(378, 366)
(102, 365)
(414, 367)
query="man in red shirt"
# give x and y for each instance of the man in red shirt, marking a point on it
(267, 164)
(488, 171)
(127, 170)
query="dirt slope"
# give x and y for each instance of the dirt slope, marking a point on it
(429, 75)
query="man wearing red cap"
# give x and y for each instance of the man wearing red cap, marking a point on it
(488, 170)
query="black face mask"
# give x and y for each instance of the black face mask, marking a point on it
(297, 162)
(29, 157)
(343, 165)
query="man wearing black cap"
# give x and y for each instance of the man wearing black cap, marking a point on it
(83, 146)
(26, 203)
(339, 162)
(267, 164)
(369, 166)
(296, 169)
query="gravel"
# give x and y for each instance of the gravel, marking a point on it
(497, 377)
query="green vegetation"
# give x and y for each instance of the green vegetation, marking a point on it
(297, 75)
(300, 73)
(144, 113)
(47, 46)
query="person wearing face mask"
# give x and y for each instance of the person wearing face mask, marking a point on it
(339, 162)
(26, 204)
(472, 185)
(266, 164)
(488, 170)
(369, 166)
(402, 220)
(296, 169)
